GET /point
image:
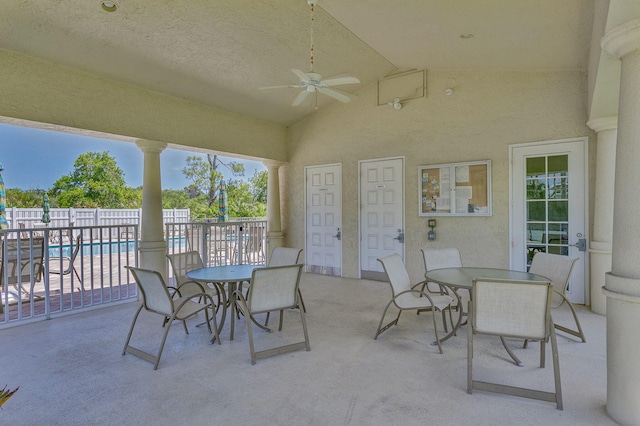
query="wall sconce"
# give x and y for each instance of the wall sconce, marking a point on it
(431, 235)
(396, 104)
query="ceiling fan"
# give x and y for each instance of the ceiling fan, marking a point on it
(312, 82)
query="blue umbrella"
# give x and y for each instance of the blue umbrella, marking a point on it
(45, 209)
(223, 215)
(3, 203)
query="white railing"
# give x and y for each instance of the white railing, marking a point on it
(221, 243)
(31, 218)
(47, 272)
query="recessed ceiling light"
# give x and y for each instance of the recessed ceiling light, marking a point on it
(109, 6)
(466, 36)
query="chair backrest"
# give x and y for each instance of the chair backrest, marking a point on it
(274, 288)
(511, 308)
(24, 257)
(555, 267)
(281, 256)
(396, 272)
(155, 295)
(181, 263)
(436, 258)
(76, 249)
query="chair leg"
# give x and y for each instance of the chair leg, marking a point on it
(469, 353)
(579, 333)
(510, 352)
(556, 368)
(382, 329)
(435, 329)
(133, 323)
(164, 339)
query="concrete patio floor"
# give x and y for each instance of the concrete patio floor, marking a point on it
(71, 372)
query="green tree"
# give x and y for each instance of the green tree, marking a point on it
(96, 181)
(242, 202)
(258, 184)
(206, 177)
(30, 198)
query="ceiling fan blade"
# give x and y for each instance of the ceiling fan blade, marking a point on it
(300, 98)
(340, 80)
(337, 94)
(301, 75)
(285, 86)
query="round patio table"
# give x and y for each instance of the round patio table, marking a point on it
(462, 278)
(232, 275)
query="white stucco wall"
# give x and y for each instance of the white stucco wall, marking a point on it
(487, 111)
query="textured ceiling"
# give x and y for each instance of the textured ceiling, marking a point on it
(220, 52)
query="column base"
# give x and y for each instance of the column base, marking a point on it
(623, 345)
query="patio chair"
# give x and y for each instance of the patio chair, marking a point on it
(253, 247)
(436, 258)
(518, 309)
(23, 266)
(281, 256)
(181, 263)
(156, 299)
(558, 269)
(272, 289)
(65, 265)
(408, 297)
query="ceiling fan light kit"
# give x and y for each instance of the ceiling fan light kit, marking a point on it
(312, 82)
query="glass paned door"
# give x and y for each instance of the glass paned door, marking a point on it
(549, 207)
(547, 181)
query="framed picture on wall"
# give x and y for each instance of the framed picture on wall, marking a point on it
(455, 189)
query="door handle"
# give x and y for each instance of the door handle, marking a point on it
(338, 235)
(400, 236)
(581, 244)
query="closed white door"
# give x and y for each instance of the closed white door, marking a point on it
(550, 207)
(381, 213)
(323, 246)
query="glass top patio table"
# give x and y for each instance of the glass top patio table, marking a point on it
(463, 277)
(230, 274)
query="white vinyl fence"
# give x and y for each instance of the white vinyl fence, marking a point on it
(31, 218)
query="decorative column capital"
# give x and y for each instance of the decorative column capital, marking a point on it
(623, 39)
(150, 146)
(603, 123)
(272, 163)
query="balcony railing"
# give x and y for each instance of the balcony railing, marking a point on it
(46, 272)
(221, 243)
(51, 271)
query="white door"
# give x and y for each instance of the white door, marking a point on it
(323, 246)
(381, 213)
(549, 206)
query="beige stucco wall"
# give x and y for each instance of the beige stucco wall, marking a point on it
(59, 98)
(487, 111)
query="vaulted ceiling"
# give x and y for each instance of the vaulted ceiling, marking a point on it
(219, 53)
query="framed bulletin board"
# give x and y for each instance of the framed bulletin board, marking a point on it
(455, 189)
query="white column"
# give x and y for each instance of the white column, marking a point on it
(275, 237)
(600, 245)
(153, 248)
(622, 284)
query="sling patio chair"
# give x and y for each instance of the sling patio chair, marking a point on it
(65, 265)
(181, 263)
(156, 299)
(281, 256)
(272, 289)
(21, 261)
(436, 258)
(515, 309)
(558, 269)
(408, 297)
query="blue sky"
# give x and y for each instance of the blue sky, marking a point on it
(35, 159)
